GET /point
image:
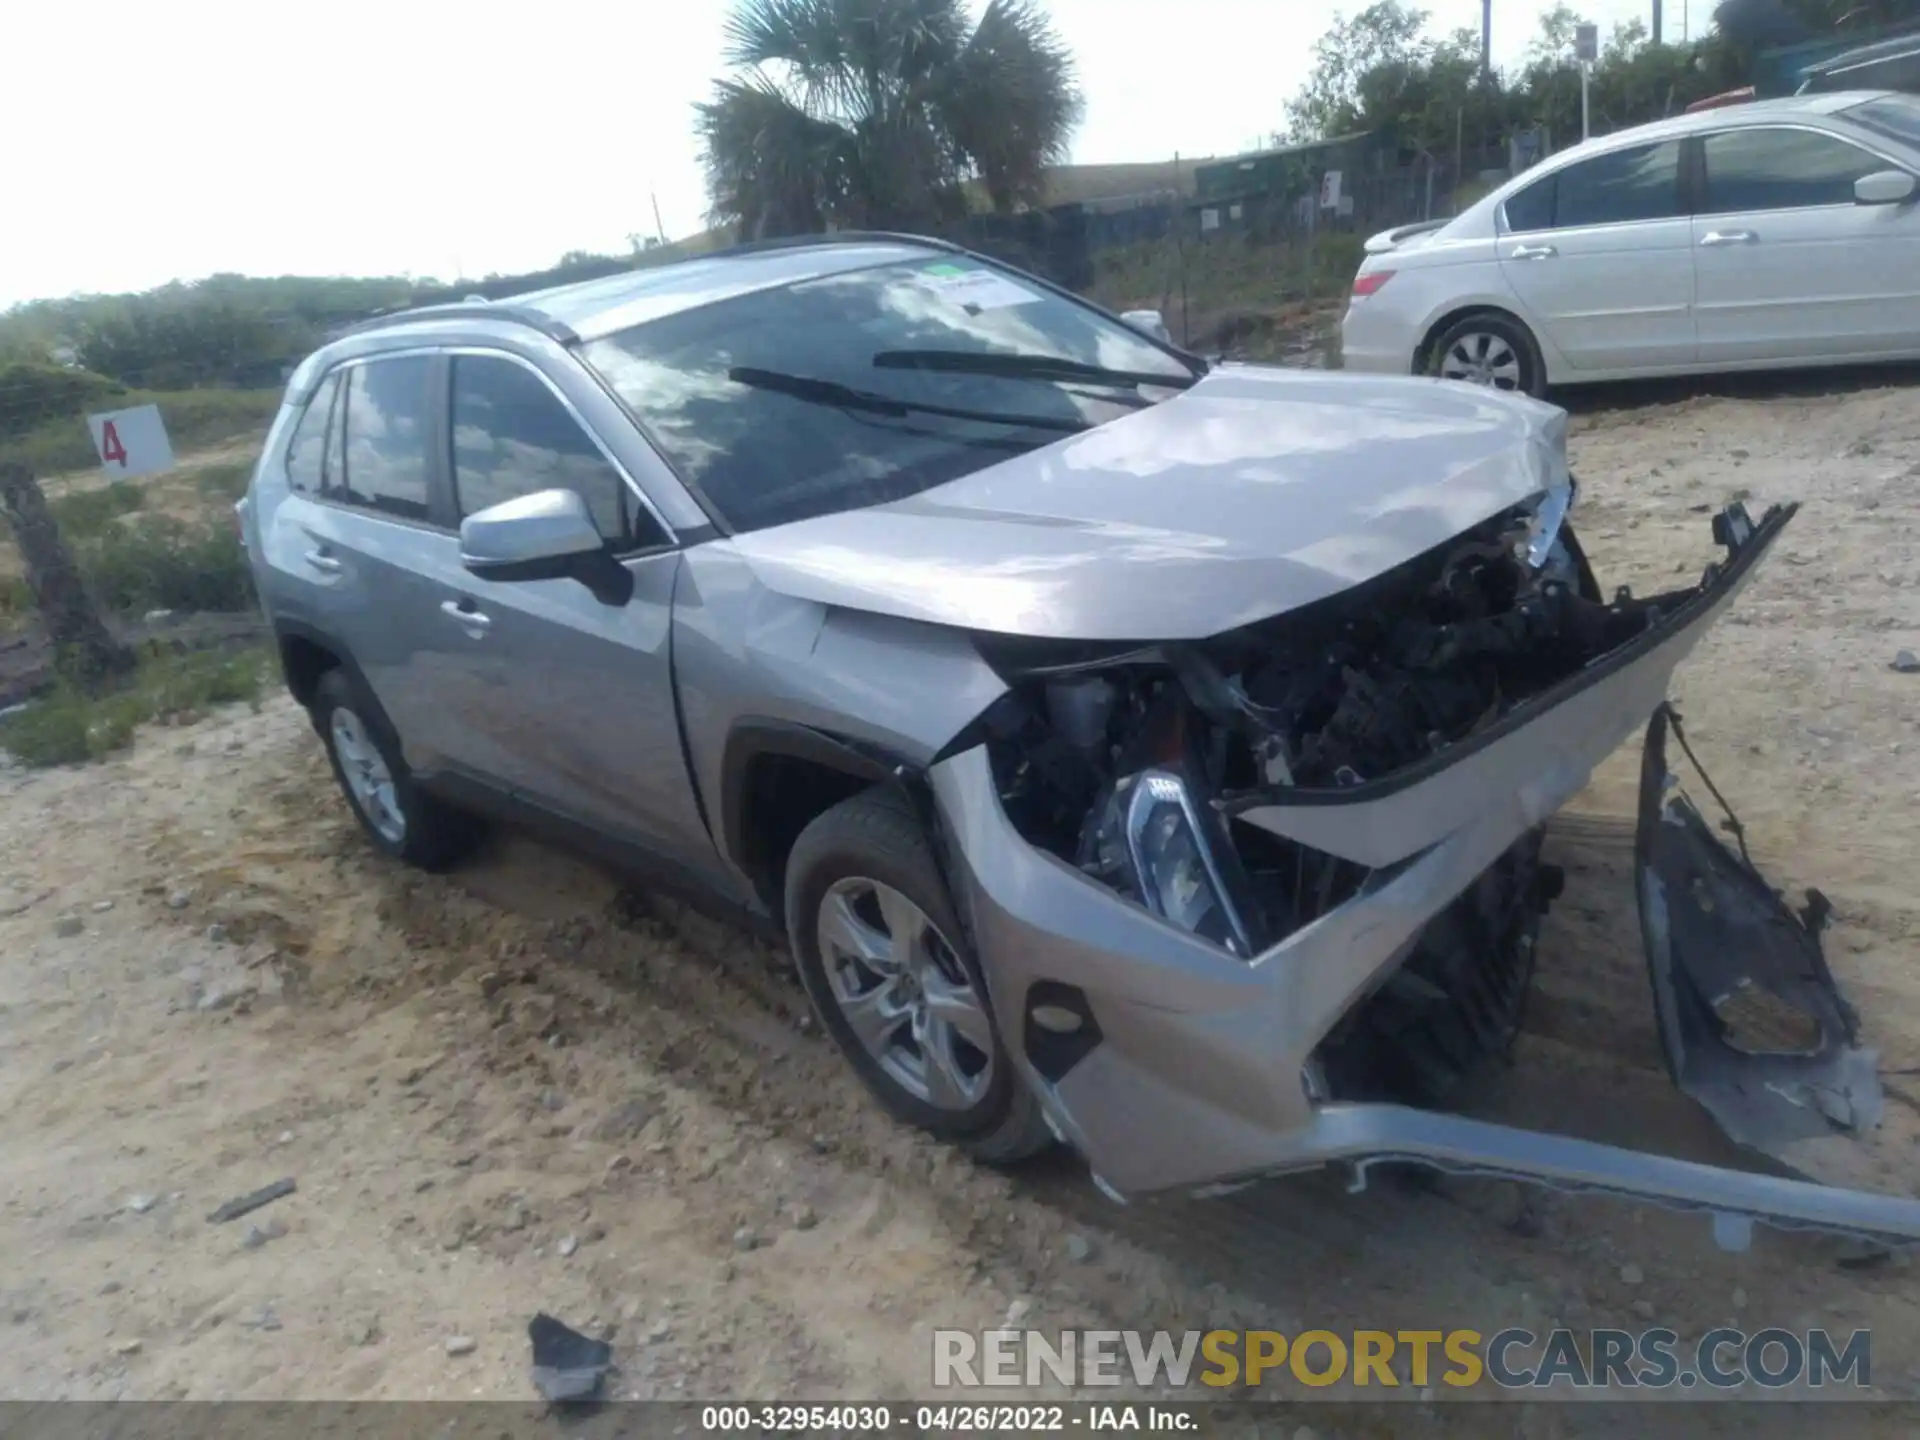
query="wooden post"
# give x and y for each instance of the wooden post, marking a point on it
(86, 650)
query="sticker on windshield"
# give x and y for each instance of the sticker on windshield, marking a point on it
(976, 291)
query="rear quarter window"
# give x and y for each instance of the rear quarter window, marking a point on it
(1531, 208)
(307, 450)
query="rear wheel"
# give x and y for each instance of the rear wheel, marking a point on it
(398, 817)
(891, 974)
(1490, 349)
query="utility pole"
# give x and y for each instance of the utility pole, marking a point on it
(1486, 37)
(658, 228)
(1659, 33)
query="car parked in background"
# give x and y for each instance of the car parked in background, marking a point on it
(1777, 234)
(1891, 64)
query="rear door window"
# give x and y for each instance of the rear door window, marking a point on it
(1641, 182)
(1780, 169)
(382, 460)
(513, 436)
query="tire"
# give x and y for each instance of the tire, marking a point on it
(1492, 349)
(1449, 1018)
(864, 854)
(400, 819)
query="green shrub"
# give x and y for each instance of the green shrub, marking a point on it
(67, 726)
(15, 599)
(227, 481)
(196, 418)
(55, 730)
(170, 564)
(1336, 261)
(86, 513)
(34, 391)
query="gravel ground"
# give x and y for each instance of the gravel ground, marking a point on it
(524, 1088)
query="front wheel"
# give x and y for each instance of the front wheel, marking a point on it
(1493, 350)
(887, 966)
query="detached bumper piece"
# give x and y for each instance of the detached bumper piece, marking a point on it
(1753, 1024)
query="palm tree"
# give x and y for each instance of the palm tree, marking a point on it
(878, 113)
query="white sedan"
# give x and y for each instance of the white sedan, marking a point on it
(1781, 233)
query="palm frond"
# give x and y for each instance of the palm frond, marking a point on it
(871, 112)
(1013, 103)
(772, 169)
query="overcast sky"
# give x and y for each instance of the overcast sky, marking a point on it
(148, 142)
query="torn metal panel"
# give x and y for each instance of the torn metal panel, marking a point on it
(1754, 1025)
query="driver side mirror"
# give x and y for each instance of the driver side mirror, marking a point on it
(548, 535)
(1885, 187)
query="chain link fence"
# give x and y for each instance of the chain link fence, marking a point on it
(1256, 275)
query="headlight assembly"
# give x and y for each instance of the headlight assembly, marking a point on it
(1155, 842)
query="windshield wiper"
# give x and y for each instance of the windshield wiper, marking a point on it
(1025, 367)
(846, 397)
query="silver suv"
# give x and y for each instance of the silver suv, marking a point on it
(1136, 752)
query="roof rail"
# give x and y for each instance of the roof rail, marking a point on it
(832, 237)
(470, 310)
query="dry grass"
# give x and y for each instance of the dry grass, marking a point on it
(165, 541)
(68, 726)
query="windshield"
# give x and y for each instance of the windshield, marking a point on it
(843, 391)
(1897, 117)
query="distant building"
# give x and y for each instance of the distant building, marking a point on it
(1229, 191)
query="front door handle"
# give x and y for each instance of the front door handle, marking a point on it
(1534, 252)
(475, 622)
(320, 560)
(1715, 239)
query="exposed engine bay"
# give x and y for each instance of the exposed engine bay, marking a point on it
(1140, 765)
(1135, 764)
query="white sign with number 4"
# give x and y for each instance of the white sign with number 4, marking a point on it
(131, 442)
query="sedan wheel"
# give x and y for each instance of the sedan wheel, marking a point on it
(904, 994)
(1482, 358)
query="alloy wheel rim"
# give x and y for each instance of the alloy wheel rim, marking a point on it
(369, 781)
(1482, 358)
(899, 985)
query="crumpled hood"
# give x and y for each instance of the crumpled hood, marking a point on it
(1253, 493)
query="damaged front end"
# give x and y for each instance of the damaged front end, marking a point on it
(1261, 902)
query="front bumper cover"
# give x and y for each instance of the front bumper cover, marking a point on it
(1203, 1072)
(1754, 1026)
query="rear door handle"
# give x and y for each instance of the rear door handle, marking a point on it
(1534, 252)
(1715, 239)
(475, 622)
(322, 561)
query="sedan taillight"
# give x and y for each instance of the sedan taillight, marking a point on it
(1370, 283)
